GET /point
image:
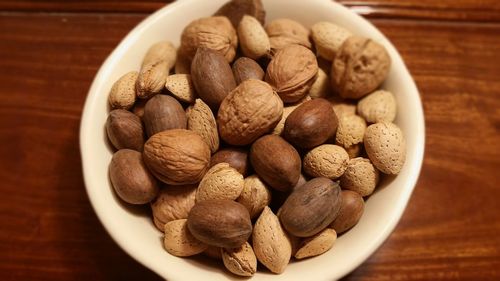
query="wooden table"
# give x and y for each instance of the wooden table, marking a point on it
(51, 50)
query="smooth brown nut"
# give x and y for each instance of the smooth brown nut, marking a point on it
(124, 130)
(156, 64)
(317, 244)
(212, 77)
(131, 179)
(236, 157)
(177, 156)
(181, 87)
(327, 160)
(360, 176)
(163, 113)
(285, 32)
(240, 261)
(360, 66)
(270, 242)
(122, 94)
(379, 106)
(254, 42)
(235, 10)
(179, 242)
(248, 112)
(386, 147)
(183, 63)
(311, 207)
(221, 223)
(215, 33)
(311, 124)
(255, 195)
(328, 38)
(201, 120)
(245, 68)
(321, 87)
(291, 72)
(173, 203)
(276, 162)
(220, 182)
(350, 131)
(287, 110)
(350, 213)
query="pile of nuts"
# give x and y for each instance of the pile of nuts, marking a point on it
(252, 142)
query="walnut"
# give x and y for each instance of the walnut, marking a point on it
(359, 68)
(215, 33)
(283, 32)
(292, 72)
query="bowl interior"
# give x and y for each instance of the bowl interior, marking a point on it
(132, 227)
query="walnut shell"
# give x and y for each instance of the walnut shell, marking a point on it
(386, 147)
(255, 195)
(291, 72)
(173, 203)
(214, 33)
(177, 156)
(326, 160)
(359, 68)
(200, 119)
(379, 106)
(284, 32)
(220, 182)
(249, 111)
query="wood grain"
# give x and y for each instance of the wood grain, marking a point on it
(456, 10)
(49, 232)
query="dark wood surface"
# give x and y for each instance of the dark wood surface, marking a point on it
(48, 231)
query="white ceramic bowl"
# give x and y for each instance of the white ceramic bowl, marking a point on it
(134, 231)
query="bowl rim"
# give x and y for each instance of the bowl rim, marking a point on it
(86, 136)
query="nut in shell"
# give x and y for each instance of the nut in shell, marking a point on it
(251, 110)
(284, 32)
(328, 38)
(287, 110)
(255, 195)
(326, 160)
(181, 87)
(122, 94)
(321, 87)
(220, 182)
(359, 68)
(386, 147)
(270, 242)
(379, 106)
(215, 33)
(240, 261)
(360, 176)
(163, 113)
(201, 120)
(292, 72)
(177, 156)
(245, 68)
(234, 10)
(254, 42)
(350, 212)
(178, 241)
(317, 244)
(124, 130)
(350, 131)
(236, 157)
(173, 203)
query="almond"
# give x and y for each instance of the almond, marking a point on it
(178, 241)
(326, 160)
(240, 261)
(201, 120)
(328, 38)
(386, 147)
(360, 176)
(255, 195)
(317, 244)
(351, 130)
(122, 94)
(379, 106)
(220, 182)
(181, 87)
(253, 38)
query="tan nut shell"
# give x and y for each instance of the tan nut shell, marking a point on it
(220, 182)
(283, 32)
(178, 241)
(240, 261)
(354, 150)
(253, 38)
(379, 106)
(249, 111)
(270, 242)
(291, 72)
(177, 156)
(181, 87)
(216, 33)
(328, 38)
(317, 244)
(201, 120)
(351, 130)
(360, 66)
(321, 87)
(326, 160)
(155, 67)
(386, 147)
(360, 176)
(173, 203)
(287, 110)
(255, 195)
(122, 94)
